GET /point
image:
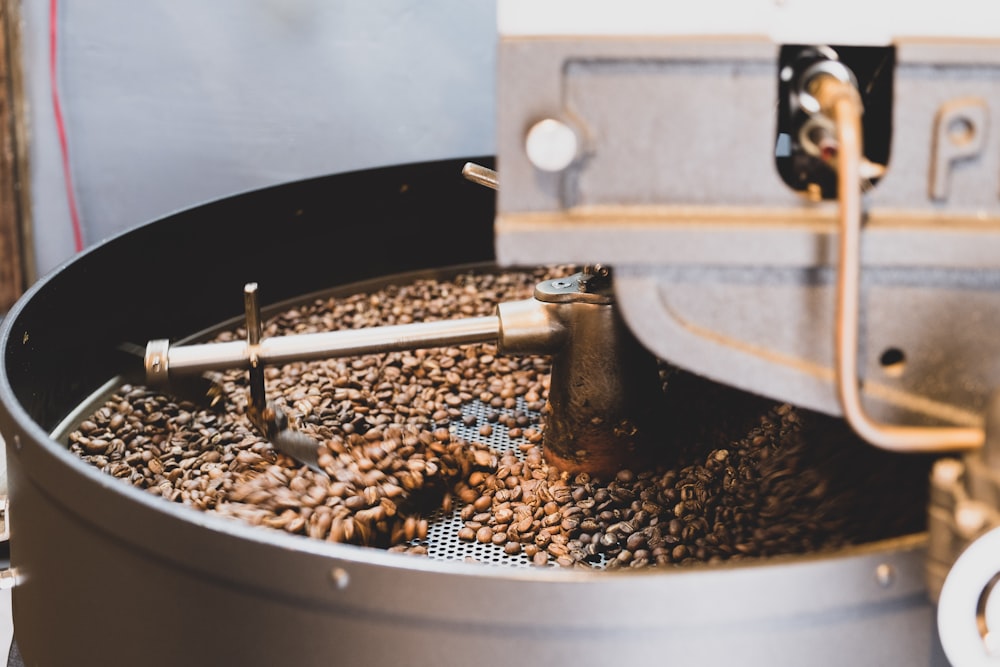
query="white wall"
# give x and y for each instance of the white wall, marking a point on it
(171, 103)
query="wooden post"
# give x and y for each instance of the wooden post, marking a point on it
(17, 266)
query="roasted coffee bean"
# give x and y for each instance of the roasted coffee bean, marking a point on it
(482, 503)
(738, 476)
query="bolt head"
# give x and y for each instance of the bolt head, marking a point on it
(551, 145)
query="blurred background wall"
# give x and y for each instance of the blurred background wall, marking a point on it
(167, 104)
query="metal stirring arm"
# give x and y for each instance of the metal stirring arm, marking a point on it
(166, 364)
(603, 384)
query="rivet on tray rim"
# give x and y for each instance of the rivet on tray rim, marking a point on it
(340, 578)
(885, 575)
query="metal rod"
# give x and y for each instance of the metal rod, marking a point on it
(187, 359)
(255, 330)
(481, 175)
(844, 105)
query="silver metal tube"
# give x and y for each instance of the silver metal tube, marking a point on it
(841, 101)
(481, 175)
(188, 359)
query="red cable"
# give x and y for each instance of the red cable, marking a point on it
(74, 214)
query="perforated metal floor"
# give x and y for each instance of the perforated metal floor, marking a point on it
(442, 541)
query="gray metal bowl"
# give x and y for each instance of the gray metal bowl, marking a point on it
(110, 575)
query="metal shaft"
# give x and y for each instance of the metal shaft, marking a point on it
(163, 360)
(255, 331)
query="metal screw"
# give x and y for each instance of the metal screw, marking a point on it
(340, 578)
(885, 574)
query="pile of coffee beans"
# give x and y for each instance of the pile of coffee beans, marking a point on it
(739, 476)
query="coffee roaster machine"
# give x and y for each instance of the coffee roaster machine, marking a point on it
(798, 204)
